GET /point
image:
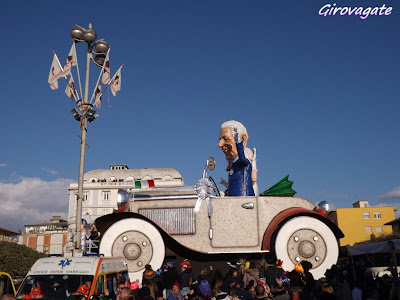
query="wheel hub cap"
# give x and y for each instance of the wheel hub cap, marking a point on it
(307, 244)
(136, 247)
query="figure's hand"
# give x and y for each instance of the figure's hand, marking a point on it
(106, 292)
(235, 134)
(267, 290)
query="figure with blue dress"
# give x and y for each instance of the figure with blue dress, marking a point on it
(242, 168)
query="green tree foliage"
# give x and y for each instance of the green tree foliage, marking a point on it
(380, 238)
(17, 259)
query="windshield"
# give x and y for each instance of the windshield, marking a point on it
(52, 286)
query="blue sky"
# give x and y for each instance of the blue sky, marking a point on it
(319, 96)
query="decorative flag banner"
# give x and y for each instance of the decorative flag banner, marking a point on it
(106, 69)
(144, 184)
(70, 90)
(97, 96)
(71, 60)
(55, 73)
(115, 82)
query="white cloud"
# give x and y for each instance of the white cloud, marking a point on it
(391, 204)
(392, 195)
(50, 171)
(32, 200)
(3, 165)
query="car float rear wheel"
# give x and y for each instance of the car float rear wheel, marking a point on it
(306, 238)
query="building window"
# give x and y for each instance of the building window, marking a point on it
(368, 229)
(106, 196)
(366, 215)
(85, 196)
(106, 211)
(377, 215)
(379, 229)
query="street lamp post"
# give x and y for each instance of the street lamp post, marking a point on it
(89, 36)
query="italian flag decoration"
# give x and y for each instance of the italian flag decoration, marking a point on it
(144, 184)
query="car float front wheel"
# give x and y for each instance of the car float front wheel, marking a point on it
(138, 241)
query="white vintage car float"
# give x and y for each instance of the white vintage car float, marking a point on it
(275, 222)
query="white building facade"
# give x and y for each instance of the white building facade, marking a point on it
(100, 189)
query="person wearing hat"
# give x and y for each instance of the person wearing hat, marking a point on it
(168, 277)
(186, 277)
(176, 292)
(148, 273)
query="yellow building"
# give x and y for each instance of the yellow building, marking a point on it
(360, 221)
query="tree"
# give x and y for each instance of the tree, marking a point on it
(17, 259)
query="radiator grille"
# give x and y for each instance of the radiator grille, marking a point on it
(172, 220)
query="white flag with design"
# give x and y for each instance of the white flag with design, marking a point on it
(70, 90)
(97, 96)
(115, 82)
(71, 60)
(55, 73)
(106, 69)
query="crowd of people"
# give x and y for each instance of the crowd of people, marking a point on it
(248, 281)
(244, 281)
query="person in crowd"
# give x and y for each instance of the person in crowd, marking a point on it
(36, 292)
(126, 294)
(251, 274)
(297, 280)
(144, 293)
(193, 292)
(168, 277)
(309, 282)
(84, 289)
(175, 292)
(205, 290)
(8, 297)
(233, 280)
(120, 286)
(186, 277)
(271, 273)
(148, 273)
(151, 286)
(342, 289)
(251, 289)
(217, 276)
(222, 293)
(56, 292)
(326, 292)
(263, 292)
(159, 295)
(356, 292)
(239, 294)
(280, 293)
(206, 274)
